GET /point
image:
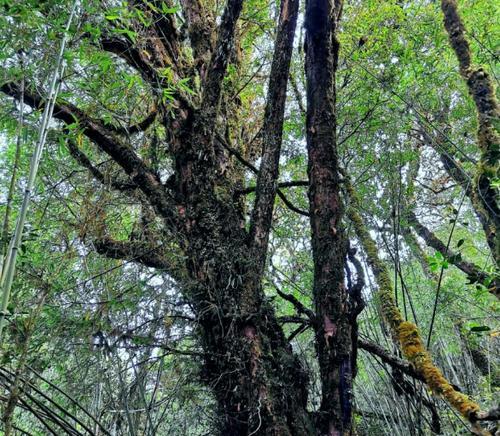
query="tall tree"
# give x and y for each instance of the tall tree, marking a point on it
(334, 311)
(155, 108)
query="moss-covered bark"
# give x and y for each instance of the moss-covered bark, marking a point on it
(334, 319)
(405, 332)
(259, 384)
(481, 89)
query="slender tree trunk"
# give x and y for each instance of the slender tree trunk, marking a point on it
(482, 91)
(333, 327)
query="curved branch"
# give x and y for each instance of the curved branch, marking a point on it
(140, 174)
(252, 168)
(406, 333)
(142, 126)
(141, 60)
(297, 304)
(132, 56)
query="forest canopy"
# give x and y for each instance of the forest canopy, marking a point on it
(253, 217)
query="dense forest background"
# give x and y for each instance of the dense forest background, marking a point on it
(250, 218)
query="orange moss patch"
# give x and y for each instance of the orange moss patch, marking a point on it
(404, 332)
(414, 350)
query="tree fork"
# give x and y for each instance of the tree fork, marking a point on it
(259, 384)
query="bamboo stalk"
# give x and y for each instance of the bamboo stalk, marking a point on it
(10, 195)
(9, 265)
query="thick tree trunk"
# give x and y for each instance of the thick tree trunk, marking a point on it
(258, 383)
(260, 386)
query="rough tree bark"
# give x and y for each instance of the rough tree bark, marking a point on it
(258, 382)
(482, 91)
(331, 299)
(260, 386)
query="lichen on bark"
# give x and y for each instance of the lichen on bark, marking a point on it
(404, 332)
(482, 91)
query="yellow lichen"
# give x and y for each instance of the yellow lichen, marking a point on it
(404, 332)
(414, 350)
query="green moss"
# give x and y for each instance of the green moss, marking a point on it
(404, 332)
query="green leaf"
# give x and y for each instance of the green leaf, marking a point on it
(131, 35)
(167, 10)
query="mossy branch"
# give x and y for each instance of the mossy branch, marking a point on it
(406, 333)
(482, 91)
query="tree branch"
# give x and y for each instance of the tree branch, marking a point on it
(85, 162)
(252, 168)
(406, 332)
(482, 91)
(220, 58)
(200, 28)
(389, 358)
(260, 223)
(140, 174)
(140, 252)
(297, 304)
(457, 173)
(473, 272)
(290, 184)
(132, 56)
(143, 125)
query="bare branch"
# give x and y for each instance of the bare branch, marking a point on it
(389, 358)
(301, 309)
(85, 162)
(252, 168)
(143, 125)
(290, 184)
(473, 272)
(272, 129)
